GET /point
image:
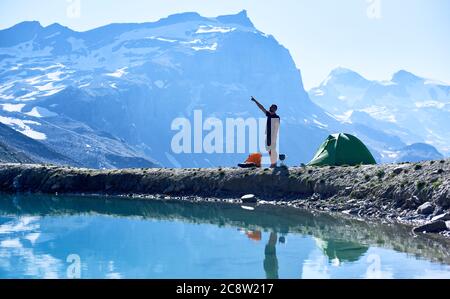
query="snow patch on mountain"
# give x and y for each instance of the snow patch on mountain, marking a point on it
(46, 68)
(432, 104)
(118, 73)
(345, 117)
(163, 39)
(23, 126)
(212, 47)
(12, 107)
(213, 29)
(40, 112)
(192, 42)
(381, 113)
(319, 124)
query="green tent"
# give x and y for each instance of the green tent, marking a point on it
(342, 149)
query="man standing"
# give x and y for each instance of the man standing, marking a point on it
(272, 128)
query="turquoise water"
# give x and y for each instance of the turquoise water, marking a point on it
(61, 237)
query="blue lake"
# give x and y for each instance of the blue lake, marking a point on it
(88, 237)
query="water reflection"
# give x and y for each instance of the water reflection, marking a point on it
(342, 251)
(270, 257)
(130, 238)
(336, 251)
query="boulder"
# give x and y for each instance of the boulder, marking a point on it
(432, 227)
(426, 209)
(315, 197)
(249, 198)
(412, 203)
(398, 170)
(443, 217)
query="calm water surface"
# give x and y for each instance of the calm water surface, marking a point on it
(60, 237)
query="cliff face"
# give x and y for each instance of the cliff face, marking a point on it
(381, 191)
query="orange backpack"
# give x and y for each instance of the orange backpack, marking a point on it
(255, 158)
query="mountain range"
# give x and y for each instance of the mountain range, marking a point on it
(107, 97)
(18, 148)
(415, 109)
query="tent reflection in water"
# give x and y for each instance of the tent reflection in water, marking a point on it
(343, 251)
(342, 149)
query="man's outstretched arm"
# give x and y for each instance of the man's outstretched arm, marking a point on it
(259, 105)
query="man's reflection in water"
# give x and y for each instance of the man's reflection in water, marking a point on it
(270, 257)
(270, 252)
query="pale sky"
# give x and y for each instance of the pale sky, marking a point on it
(373, 37)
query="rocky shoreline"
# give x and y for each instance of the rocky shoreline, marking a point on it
(416, 194)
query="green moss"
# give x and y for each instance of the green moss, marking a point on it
(436, 184)
(380, 173)
(420, 185)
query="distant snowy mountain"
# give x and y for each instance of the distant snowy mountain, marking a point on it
(413, 108)
(418, 152)
(18, 148)
(107, 97)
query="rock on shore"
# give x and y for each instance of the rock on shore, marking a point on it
(410, 192)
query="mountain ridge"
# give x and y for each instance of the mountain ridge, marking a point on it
(414, 108)
(133, 80)
(240, 18)
(16, 147)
